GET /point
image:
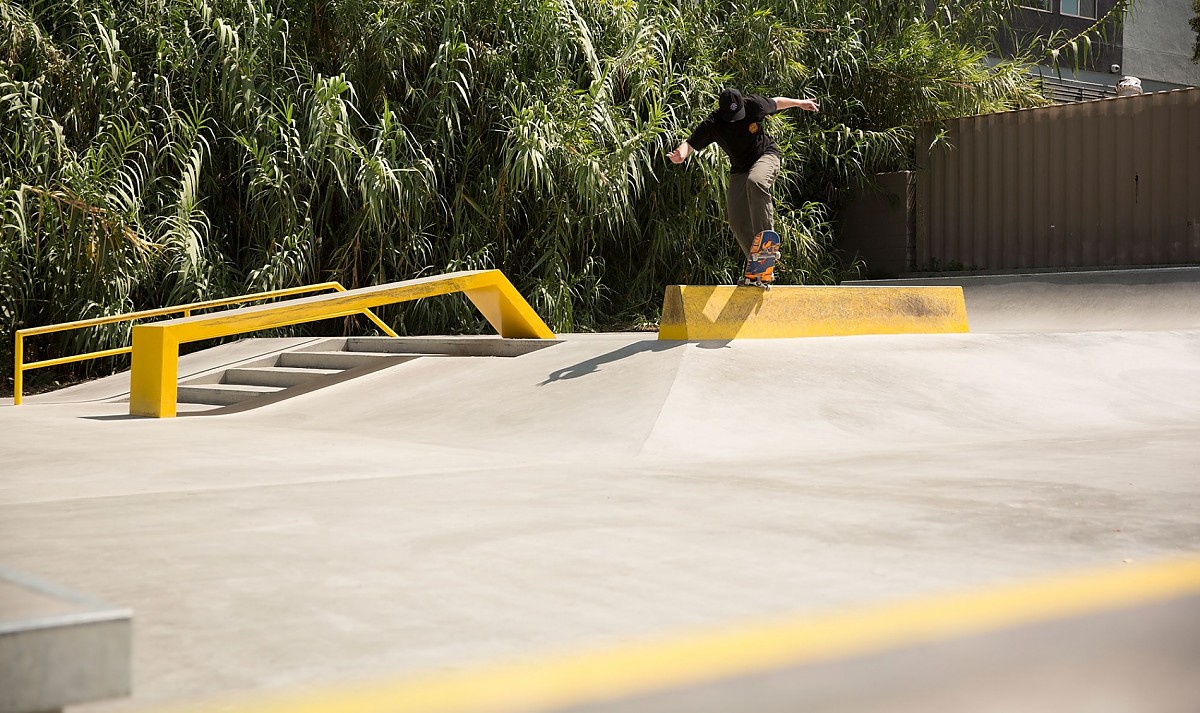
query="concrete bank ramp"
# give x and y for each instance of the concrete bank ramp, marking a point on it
(631, 395)
(1135, 299)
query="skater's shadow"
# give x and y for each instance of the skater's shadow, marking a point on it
(740, 306)
(593, 365)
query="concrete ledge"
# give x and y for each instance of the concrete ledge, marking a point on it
(58, 648)
(695, 312)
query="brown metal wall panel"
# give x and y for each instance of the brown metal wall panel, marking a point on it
(935, 244)
(922, 218)
(966, 193)
(1191, 149)
(994, 193)
(1160, 177)
(1091, 184)
(1140, 229)
(1063, 177)
(960, 193)
(1007, 201)
(1106, 223)
(1022, 165)
(1124, 181)
(1081, 166)
(1043, 182)
(1176, 198)
(947, 215)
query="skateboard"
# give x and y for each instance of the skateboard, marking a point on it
(760, 268)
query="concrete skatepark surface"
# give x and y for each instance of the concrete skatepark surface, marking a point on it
(447, 513)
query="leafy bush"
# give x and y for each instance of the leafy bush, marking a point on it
(162, 153)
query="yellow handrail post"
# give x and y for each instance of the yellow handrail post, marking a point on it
(506, 310)
(18, 369)
(155, 369)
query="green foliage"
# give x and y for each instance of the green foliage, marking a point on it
(1077, 49)
(157, 153)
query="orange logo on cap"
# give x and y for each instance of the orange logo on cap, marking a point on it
(754, 128)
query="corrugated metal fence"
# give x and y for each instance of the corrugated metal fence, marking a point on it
(1102, 183)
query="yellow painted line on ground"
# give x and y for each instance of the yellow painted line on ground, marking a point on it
(698, 312)
(628, 671)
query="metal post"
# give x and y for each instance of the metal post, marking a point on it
(154, 372)
(18, 369)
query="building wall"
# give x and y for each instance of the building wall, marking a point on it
(1158, 43)
(878, 224)
(1105, 52)
(1154, 44)
(1112, 182)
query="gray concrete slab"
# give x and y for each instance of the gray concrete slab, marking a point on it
(445, 513)
(58, 647)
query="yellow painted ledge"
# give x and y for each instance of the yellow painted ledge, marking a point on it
(696, 312)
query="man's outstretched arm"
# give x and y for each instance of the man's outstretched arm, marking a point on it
(782, 103)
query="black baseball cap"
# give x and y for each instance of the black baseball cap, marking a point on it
(731, 105)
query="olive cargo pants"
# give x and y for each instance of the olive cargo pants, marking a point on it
(750, 204)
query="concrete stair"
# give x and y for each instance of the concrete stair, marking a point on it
(338, 360)
(222, 394)
(329, 361)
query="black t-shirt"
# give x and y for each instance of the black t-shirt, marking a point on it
(744, 141)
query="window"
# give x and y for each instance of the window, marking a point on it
(1043, 5)
(1079, 8)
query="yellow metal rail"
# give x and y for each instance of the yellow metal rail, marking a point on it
(186, 310)
(154, 375)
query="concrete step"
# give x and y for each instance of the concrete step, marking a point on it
(222, 394)
(448, 346)
(282, 376)
(338, 360)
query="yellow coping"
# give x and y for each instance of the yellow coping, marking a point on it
(156, 346)
(694, 312)
(590, 679)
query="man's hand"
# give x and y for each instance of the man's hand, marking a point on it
(681, 152)
(808, 105)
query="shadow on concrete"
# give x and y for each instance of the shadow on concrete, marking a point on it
(593, 365)
(740, 306)
(114, 417)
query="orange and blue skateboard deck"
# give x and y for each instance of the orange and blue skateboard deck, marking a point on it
(760, 268)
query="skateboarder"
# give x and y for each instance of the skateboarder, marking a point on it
(737, 127)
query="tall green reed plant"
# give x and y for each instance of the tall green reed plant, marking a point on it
(156, 153)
